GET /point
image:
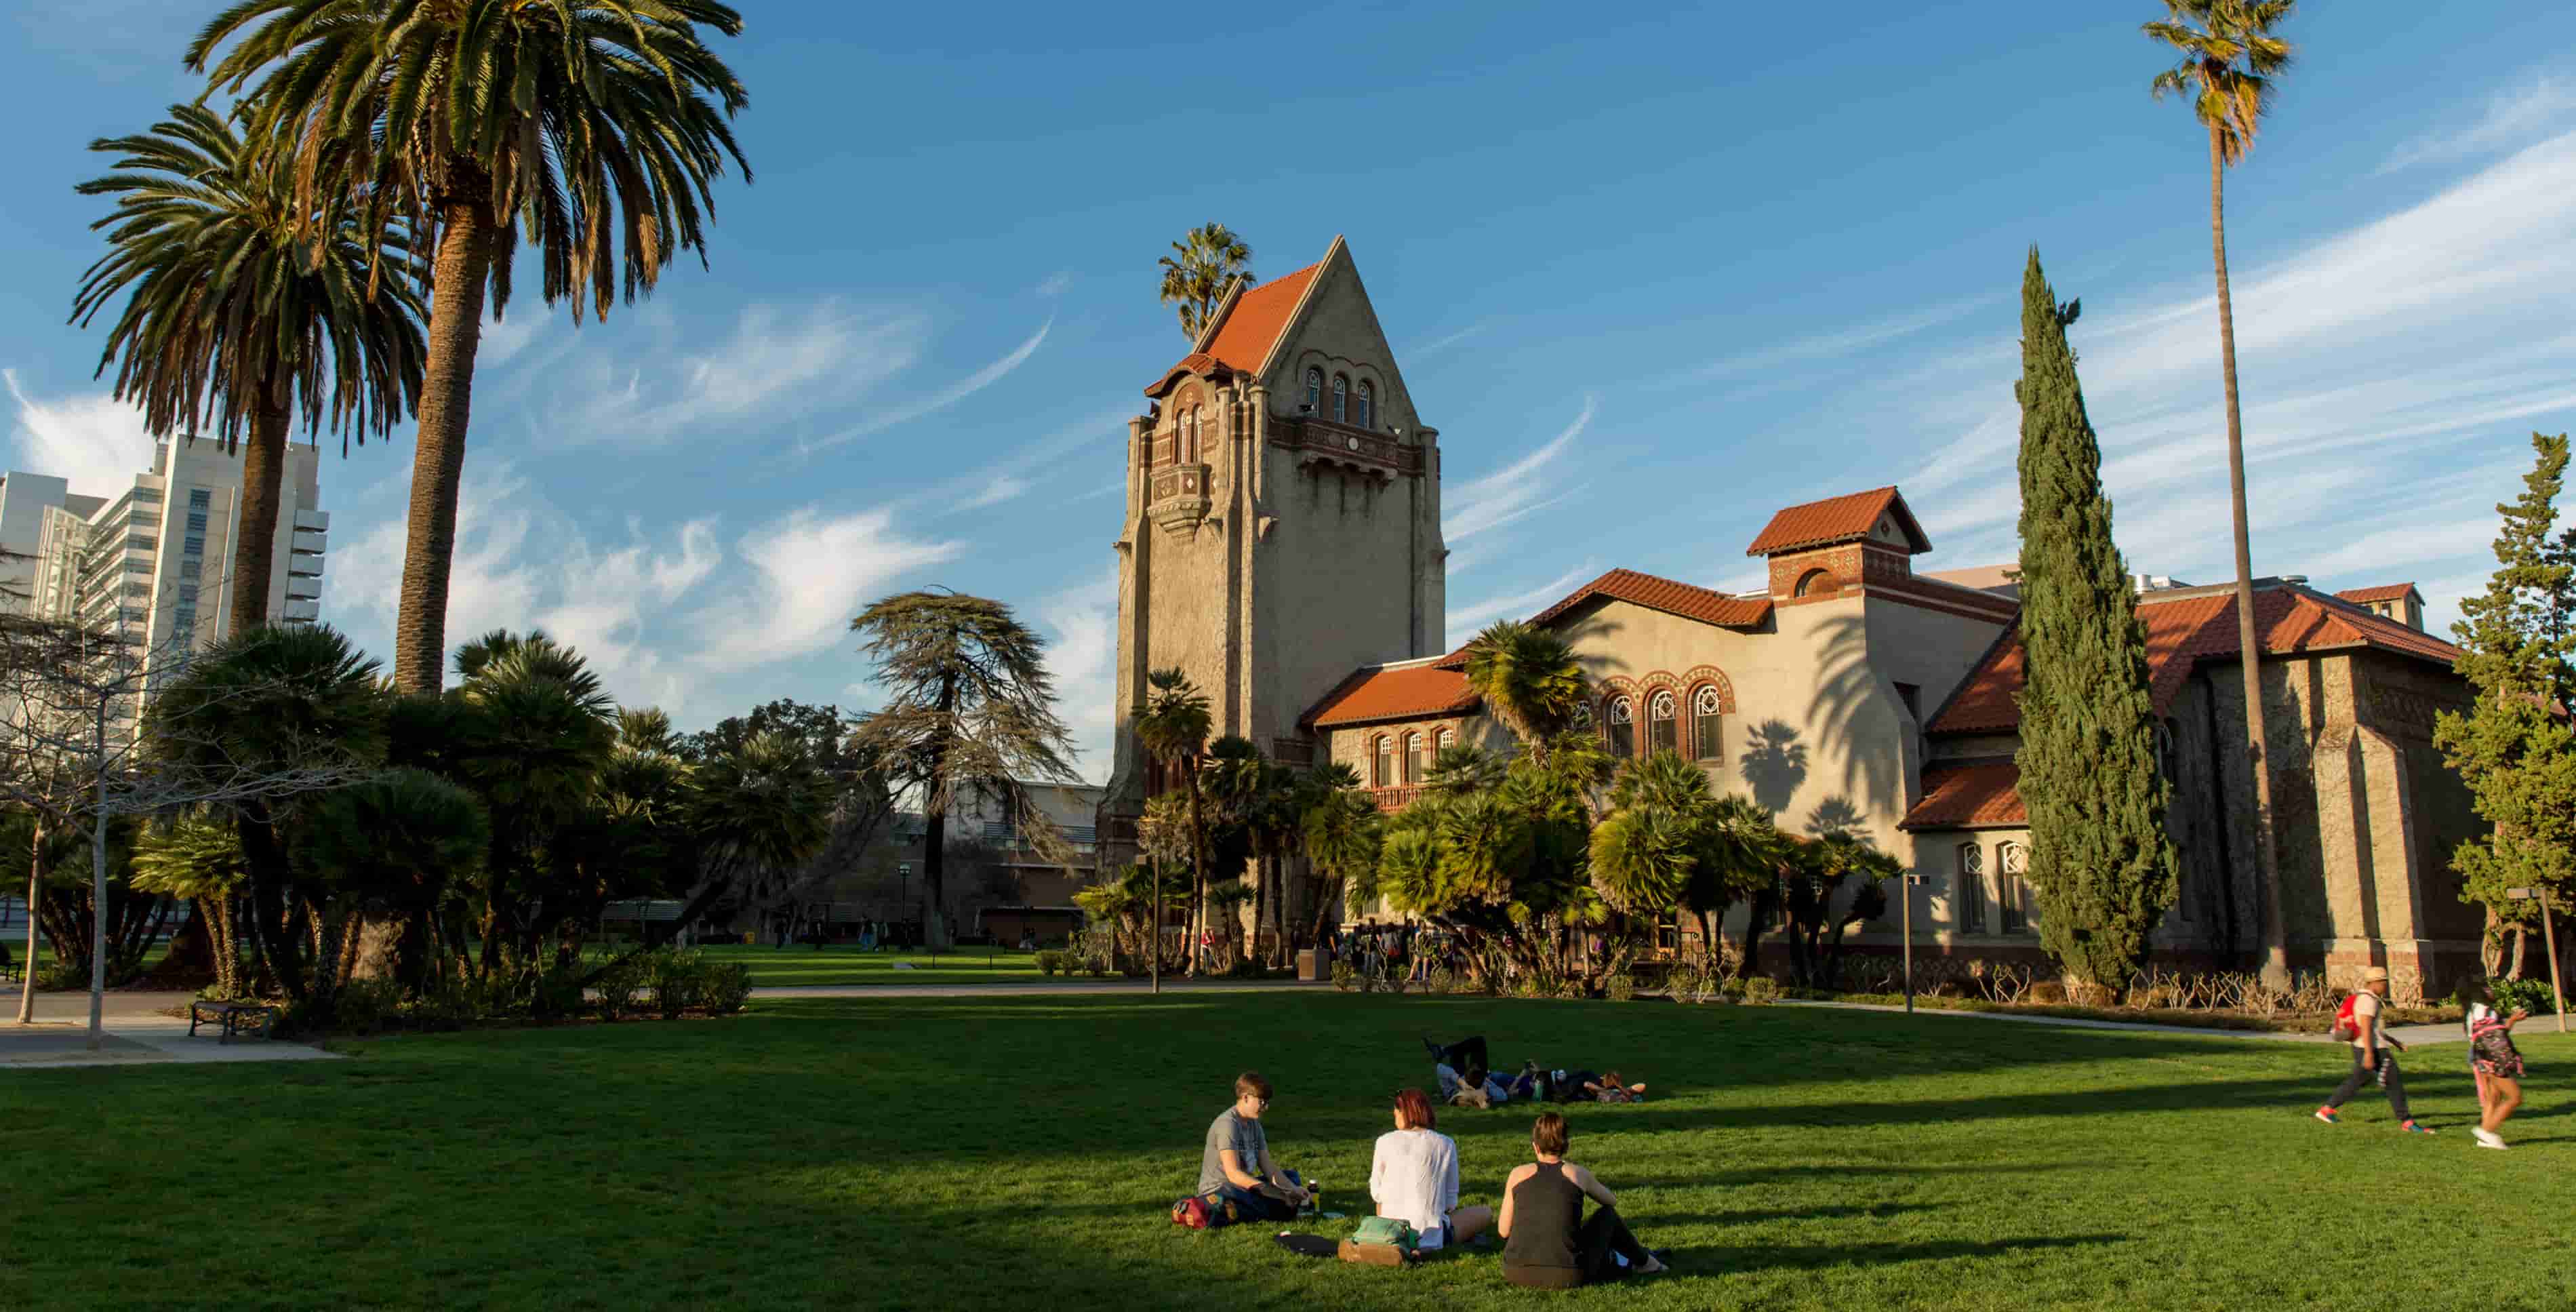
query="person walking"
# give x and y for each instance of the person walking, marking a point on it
(2370, 1059)
(2493, 1059)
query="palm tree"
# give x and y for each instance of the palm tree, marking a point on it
(1163, 839)
(244, 309)
(1341, 829)
(533, 731)
(2228, 64)
(394, 845)
(1242, 784)
(1174, 730)
(196, 856)
(971, 712)
(594, 130)
(1201, 266)
(1530, 679)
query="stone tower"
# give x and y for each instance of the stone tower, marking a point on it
(1283, 522)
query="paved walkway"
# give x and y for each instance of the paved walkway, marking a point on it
(1050, 987)
(137, 1034)
(2410, 1035)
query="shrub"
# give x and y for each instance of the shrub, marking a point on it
(365, 1006)
(1346, 977)
(674, 980)
(1049, 962)
(1761, 991)
(2531, 995)
(556, 992)
(616, 988)
(1621, 987)
(725, 987)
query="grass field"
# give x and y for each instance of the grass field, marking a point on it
(803, 964)
(1006, 1152)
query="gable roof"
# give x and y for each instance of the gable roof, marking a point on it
(1970, 795)
(2186, 627)
(2383, 592)
(1247, 324)
(1838, 519)
(1394, 692)
(1666, 595)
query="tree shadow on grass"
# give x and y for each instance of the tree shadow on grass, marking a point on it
(1719, 1260)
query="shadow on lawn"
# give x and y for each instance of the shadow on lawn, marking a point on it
(1718, 1260)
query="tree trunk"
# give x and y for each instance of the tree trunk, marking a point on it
(438, 461)
(1198, 869)
(1754, 927)
(272, 938)
(379, 952)
(35, 884)
(255, 533)
(191, 960)
(2276, 953)
(1260, 904)
(98, 903)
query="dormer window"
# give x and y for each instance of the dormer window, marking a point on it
(1368, 404)
(1341, 399)
(1314, 391)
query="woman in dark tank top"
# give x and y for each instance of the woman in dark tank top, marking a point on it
(1546, 1242)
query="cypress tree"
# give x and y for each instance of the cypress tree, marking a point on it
(2099, 860)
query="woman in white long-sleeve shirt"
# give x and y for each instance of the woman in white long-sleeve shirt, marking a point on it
(1414, 1177)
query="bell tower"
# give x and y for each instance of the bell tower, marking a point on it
(1282, 524)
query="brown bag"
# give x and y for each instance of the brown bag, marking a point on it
(1375, 1254)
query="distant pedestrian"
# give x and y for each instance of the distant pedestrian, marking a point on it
(2370, 1059)
(2493, 1059)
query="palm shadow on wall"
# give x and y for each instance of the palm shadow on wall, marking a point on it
(1774, 765)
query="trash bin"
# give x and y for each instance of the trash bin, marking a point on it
(1309, 965)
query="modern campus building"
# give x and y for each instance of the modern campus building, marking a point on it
(154, 559)
(1282, 547)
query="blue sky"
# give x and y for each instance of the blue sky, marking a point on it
(1652, 278)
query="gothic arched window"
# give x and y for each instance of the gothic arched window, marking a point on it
(1971, 891)
(1315, 391)
(1341, 399)
(1382, 773)
(1662, 729)
(1708, 724)
(1413, 762)
(1623, 727)
(1368, 404)
(2012, 897)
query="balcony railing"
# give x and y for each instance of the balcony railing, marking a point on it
(1397, 798)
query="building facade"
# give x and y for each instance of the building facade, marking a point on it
(1282, 522)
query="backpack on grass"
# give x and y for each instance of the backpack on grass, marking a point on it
(1381, 1241)
(1204, 1212)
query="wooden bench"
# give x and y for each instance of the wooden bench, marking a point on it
(235, 1017)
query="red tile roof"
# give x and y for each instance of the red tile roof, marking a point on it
(1970, 796)
(1250, 328)
(2384, 592)
(1667, 596)
(2183, 631)
(1837, 519)
(1400, 692)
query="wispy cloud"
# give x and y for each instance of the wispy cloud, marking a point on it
(94, 441)
(1447, 340)
(780, 362)
(1515, 491)
(1836, 343)
(1054, 284)
(945, 397)
(2511, 117)
(1015, 474)
(808, 574)
(1468, 619)
(1081, 624)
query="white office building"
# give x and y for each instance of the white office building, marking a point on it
(154, 559)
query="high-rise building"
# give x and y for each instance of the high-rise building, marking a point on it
(155, 559)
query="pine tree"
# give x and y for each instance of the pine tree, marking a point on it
(2100, 860)
(2518, 758)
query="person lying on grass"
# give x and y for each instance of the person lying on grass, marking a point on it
(1547, 1242)
(1235, 1165)
(1465, 1080)
(1413, 1175)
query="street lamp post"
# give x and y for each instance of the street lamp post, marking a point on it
(2549, 939)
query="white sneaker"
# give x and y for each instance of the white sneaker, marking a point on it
(2488, 1139)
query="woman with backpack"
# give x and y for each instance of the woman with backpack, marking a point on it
(2358, 1022)
(2493, 1059)
(1413, 1175)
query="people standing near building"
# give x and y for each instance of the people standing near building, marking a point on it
(1235, 1166)
(2493, 1059)
(2371, 1058)
(1413, 1175)
(1547, 1241)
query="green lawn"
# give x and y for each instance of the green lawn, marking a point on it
(803, 964)
(1009, 1152)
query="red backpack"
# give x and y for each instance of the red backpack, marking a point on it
(2346, 1027)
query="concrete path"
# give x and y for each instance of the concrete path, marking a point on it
(137, 1034)
(1047, 988)
(2410, 1035)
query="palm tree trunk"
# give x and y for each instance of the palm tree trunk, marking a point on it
(255, 536)
(438, 462)
(1260, 904)
(1198, 868)
(2276, 956)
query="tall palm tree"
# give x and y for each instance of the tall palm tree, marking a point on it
(246, 308)
(2228, 64)
(1340, 829)
(970, 712)
(1174, 731)
(1205, 262)
(1529, 678)
(593, 130)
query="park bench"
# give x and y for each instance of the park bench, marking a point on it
(234, 1017)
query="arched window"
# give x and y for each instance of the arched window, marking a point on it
(1814, 582)
(1314, 391)
(1341, 399)
(1708, 725)
(1190, 436)
(1441, 742)
(1623, 727)
(2012, 897)
(1368, 404)
(1382, 770)
(2166, 759)
(1413, 762)
(1972, 889)
(1663, 729)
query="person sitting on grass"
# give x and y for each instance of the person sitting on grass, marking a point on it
(2493, 1059)
(2371, 1060)
(1235, 1167)
(1413, 1175)
(1547, 1242)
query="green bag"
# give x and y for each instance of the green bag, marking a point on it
(1388, 1230)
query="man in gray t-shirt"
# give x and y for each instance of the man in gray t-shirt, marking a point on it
(1235, 1165)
